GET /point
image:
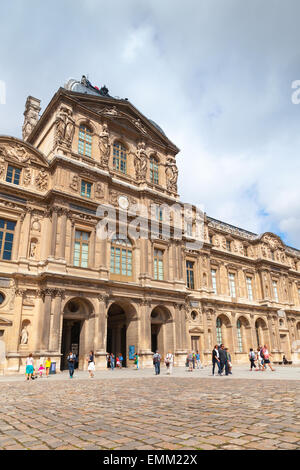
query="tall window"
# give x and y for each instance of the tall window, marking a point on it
(159, 265)
(228, 245)
(86, 188)
(6, 238)
(275, 290)
(153, 170)
(190, 274)
(232, 285)
(13, 175)
(214, 280)
(81, 249)
(249, 287)
(219, 331)
(189, 229)
(158, 213)
(119, 157)
(239, 336)
(121, 256)
(85, 141)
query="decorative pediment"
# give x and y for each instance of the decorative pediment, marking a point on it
(17, 151)
(196, 330)
(272, 240)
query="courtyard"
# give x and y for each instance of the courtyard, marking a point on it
(134, 409)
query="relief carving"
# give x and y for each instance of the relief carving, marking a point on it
(64, 127)
(41, 180)
(172, 175)
(104, 146)
(140, 162)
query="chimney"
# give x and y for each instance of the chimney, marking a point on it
(31, 116)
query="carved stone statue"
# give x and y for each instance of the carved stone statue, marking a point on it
(33, 246)
(99, 191)
(140, 162)
(64, 127)
(24, 335)
(31, 116)
(104, 146)
(75, 183)
(172, 175)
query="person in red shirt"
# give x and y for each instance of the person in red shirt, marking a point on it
(267, 356)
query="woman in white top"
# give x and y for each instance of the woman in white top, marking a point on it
(169, 362)
(29, 367)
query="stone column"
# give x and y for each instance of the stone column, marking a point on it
(55, 330)
(53, 232)
(181, 334)
(62, 237)
(16, 243)
(25, 234)
(271, 336)
(44, 321)
(101, 332)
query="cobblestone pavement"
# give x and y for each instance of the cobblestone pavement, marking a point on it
(150, 413)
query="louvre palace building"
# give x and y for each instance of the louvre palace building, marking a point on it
(63, 287)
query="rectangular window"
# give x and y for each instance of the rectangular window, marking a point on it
(81, 249)
(86, 189)
(13, 175)
(214, 280)
(228, 245)
(158, 265)
(275, 290)
(249, 288)
(232, 285)
(190, 274)
(189, 229)
(7, 228)
(159, 213)
(153, 171)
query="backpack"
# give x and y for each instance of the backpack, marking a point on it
(252, 355)
(261, 353)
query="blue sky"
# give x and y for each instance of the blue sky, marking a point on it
(215, 75)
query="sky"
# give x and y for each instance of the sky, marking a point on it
(216, 75)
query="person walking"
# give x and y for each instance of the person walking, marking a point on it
(136, 361)
(29, 367)
(215, 360)
(156, 362)
(223, 360)
(262, 358)
(47, 366)
(121, 360)
(252, 359)
(198, 361)
(229, 361)
(112, 362)
(71, 363)
(91, 364)
(190, 361)
(267, 357)
(259, 358)
(169, 362)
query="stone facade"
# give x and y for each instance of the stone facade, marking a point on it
(59, 286)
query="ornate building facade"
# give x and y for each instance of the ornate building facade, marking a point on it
(63, 287)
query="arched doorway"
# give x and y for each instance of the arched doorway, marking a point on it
(243, 334)
(161, 330)
(261, 331)
(122, 332)
(222, 331)
(75, 335)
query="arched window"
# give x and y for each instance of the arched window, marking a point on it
(219, 330)
(154, 170)
(121, 257)
(239, 336)
(119, 157)
(85, 141)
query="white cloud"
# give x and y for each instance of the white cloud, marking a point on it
(216, 76)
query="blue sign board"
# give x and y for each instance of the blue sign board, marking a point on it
(131, 352)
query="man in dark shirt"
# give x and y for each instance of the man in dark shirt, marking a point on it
(223, 359)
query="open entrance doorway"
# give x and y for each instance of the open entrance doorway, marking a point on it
(161, 330)
(70, 341)
(117, 332)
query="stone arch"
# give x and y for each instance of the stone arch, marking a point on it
(261, 331)
(122, 330)
(87, 123)
(298, 330)
(77, 329)
(223, 329)
(162, 332)
(243, 329)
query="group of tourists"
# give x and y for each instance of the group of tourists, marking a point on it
(262, 357)
(114, 361)
(193, 361)
(32, 373)
(222, 358)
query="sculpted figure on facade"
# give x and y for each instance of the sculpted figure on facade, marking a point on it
(104, 146)
(27, 176)
(99, 191)
(42, 179)
(171, 174)
(74, 185)
(24, 335)
(140, 162)
(64, 127)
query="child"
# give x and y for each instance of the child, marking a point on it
(48, 365)
(117, 361)
(40, 369)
